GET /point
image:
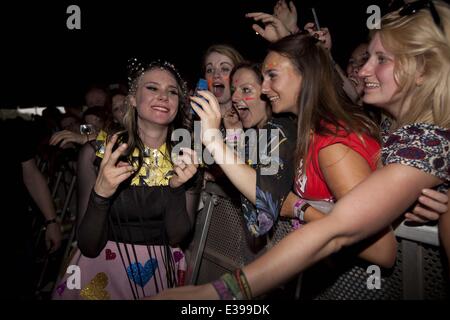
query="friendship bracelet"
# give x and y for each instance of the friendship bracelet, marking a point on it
(233, 286)
(237, 276)
(298, 204)
(222, 290)
(300, 208)
(246, 285)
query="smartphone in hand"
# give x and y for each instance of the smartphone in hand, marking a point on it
(202, 84)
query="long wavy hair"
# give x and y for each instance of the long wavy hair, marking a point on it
(321, 101)
(420, 47)
(130, 134)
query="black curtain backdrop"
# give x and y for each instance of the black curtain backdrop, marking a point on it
(44, 64)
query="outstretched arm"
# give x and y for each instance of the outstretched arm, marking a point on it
(365, 210)
(240, 174)
(64, 137)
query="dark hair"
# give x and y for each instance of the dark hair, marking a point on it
(322, 101)
(255, 68)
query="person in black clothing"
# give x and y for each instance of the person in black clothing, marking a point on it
(136, 217)
(21, 178)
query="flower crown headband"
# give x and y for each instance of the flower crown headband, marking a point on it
(137, 68)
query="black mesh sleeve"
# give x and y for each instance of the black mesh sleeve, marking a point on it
(86, 174)
(93, 229)
(177, 222)
(92, 220)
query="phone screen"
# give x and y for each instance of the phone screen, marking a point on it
(202, 84)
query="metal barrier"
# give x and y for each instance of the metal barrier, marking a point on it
(63, 191)
(221, 244)
(221, 241)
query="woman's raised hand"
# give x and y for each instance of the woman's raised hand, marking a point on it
(287, 15)
(207, 108)
(323, 35)
(112, 171)
(185, 167)
(273, 30)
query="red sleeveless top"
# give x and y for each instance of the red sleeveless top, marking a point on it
(311, 184)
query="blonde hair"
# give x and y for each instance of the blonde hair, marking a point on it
(224, 49)
(130, 134)
(420, 48)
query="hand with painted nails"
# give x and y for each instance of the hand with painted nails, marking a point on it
(429, 207)
(207, 108)
(112, 171)
(185, 167)
(274, 29)
(323, 35)
(287, 15)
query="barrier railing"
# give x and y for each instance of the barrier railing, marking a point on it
(221, 243)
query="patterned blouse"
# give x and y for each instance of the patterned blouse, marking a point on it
(272, 186)
(422, 146)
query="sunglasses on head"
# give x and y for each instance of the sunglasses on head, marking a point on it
(413, 7)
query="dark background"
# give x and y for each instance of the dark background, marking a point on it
(43, 63)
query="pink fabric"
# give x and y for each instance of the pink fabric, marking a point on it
(105, 277)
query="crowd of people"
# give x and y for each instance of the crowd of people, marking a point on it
(355, 153)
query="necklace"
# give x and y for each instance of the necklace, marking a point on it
(156, 168)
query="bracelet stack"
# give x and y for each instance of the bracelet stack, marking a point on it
(300, 208)
(233, 286)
